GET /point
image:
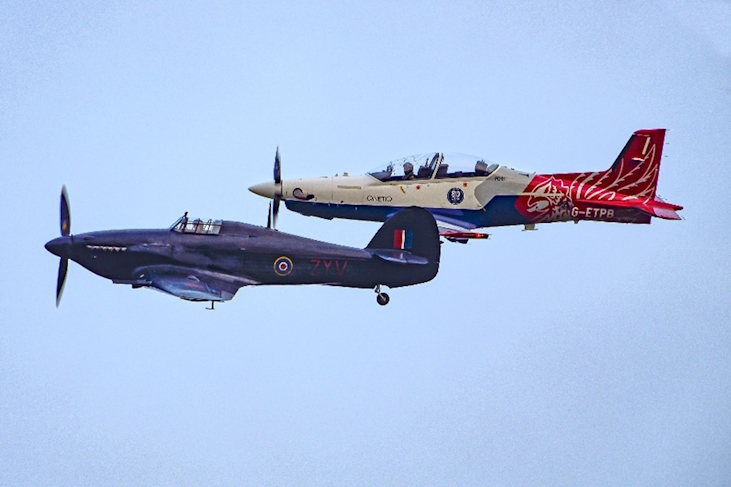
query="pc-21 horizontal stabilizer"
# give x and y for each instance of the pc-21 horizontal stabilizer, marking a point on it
(656, 208)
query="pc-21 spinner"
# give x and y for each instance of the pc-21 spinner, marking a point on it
(210, 260)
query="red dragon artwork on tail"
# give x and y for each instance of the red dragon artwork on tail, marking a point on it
(623, 193)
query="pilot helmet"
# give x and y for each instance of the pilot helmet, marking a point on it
(408, 168)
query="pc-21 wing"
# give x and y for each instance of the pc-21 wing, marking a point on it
(455, 233)
(189, 284)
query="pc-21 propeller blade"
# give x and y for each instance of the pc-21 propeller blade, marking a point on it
(277, 168)
(274, 207)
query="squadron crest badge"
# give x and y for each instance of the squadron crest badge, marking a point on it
(455, 196)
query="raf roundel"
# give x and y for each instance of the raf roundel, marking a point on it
(455, 196)
(283, 266)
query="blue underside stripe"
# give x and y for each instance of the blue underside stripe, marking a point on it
(499, 211)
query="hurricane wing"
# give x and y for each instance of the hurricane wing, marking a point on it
(191, 284)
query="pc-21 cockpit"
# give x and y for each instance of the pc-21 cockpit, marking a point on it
(197, 226)
(437, 165)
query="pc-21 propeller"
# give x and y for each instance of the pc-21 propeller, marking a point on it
(199, 260)
(276, 193)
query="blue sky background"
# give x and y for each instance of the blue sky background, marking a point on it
(590, 354)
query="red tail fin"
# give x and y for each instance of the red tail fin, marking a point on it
(629, 185)
(636, 169)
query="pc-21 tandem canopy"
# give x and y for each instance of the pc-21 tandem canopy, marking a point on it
(434, 165)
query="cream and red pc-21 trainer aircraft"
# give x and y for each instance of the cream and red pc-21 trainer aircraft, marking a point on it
(465, 193)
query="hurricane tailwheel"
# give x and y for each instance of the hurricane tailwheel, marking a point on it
(382, 299)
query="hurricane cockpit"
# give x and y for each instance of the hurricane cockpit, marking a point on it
(435, 165)
(198, 226)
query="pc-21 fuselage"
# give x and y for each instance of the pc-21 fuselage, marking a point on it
(210, 260)
(465, 193)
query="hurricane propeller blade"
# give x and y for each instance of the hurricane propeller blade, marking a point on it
(65, 214)
(63, 267)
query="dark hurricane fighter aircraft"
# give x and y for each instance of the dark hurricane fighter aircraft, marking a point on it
(210, 260)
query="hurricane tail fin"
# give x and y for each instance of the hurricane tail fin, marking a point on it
(411, 230)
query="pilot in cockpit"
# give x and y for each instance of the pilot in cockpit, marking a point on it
(426, 170)
(408, 171)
